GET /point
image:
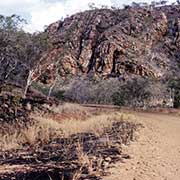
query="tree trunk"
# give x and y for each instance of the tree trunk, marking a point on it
(50, 90)
(29, 81)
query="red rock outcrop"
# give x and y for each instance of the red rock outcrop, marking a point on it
(120, 42)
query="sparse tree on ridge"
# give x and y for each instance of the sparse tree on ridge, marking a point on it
(20, 52)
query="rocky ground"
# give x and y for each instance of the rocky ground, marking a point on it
(83, 155)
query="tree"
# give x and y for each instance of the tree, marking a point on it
(135, 5)
(133, 92)
(11, 23)
(163, 2)
(118, 99)
(20, 53)
(92, 6)
(174, 84)
(178, 2)
(9, 49)
(33, 49)
(144, 92)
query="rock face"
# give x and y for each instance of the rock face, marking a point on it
(117, 42)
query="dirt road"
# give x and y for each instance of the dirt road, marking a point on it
(156, 154)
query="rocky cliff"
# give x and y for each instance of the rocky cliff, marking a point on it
(117, 42)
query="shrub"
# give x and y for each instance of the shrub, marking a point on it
(177, 101)
(59, 94)
(134, 92)
(92, 91)
(174, 84)
(118, 99)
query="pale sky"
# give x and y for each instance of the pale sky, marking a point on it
(39, 13)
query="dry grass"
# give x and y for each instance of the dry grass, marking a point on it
(82, 148)
(46, 129)
(69, 108)
(87, 162)
(9, 142)
(41, 131)
(95, 124)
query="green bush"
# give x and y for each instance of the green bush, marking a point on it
(177, 101)
(59, 94)
(118, 99)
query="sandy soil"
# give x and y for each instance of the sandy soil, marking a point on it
(156, 154)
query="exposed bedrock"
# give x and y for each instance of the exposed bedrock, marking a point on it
(126, 42)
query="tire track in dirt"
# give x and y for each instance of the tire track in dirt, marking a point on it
(156, 154)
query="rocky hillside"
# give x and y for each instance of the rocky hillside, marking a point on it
(125, 42)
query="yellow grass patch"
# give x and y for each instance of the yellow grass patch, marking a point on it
(46, 129)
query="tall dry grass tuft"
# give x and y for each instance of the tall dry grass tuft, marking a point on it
(8, 142)
(86, 162)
